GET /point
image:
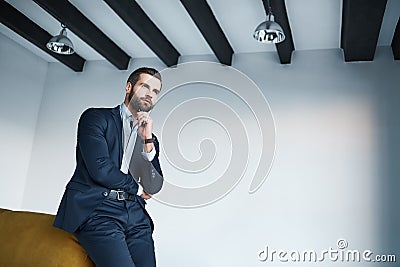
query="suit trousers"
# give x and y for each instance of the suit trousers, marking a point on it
(118, 233)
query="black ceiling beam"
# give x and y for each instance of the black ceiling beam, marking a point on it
(69, 15)
(205, 20)
(396, 42)
(134, 16)
(286, 47)
(361, 24)
(29, 30)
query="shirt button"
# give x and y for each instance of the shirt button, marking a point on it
(105, 194)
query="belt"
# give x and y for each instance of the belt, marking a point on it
(121, 195)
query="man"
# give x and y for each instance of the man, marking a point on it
(117, 170)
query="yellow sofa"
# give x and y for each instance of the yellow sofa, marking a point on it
(29, 239)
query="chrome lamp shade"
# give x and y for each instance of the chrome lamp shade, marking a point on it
(269, 32)
(61, 44)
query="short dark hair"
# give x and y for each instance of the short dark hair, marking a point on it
(135, 75)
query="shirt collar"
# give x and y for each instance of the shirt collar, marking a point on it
(124, 111)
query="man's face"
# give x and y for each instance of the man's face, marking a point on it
(144, 93)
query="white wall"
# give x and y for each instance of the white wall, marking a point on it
(22, 76)
(334, 174)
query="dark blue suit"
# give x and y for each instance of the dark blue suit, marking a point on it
(98, 161)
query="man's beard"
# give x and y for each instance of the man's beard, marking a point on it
(137, 104)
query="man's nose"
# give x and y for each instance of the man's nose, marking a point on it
(150, 93)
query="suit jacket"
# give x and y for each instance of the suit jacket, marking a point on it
(98, 160)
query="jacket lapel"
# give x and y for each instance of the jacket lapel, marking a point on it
(118, 124)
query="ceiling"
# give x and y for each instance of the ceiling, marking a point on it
(120, 30)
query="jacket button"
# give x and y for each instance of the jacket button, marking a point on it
(105, 194)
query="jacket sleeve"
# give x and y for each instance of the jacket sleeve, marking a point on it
(155, 162)
(150, 174)
(93, 146)
(152, 178)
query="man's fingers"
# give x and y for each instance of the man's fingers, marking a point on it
(142, 114)
(144, 120)
(145, 195)
(142, 117)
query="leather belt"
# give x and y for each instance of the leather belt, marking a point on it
(121, 195)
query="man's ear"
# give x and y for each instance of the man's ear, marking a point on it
(128, 87)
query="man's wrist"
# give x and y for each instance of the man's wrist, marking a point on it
(148, 136)
(148, 147)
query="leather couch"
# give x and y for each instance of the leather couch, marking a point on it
(29, 239)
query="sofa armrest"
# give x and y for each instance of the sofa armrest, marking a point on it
(29, 239)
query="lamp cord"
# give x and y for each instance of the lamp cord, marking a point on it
(267, 7)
